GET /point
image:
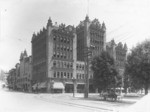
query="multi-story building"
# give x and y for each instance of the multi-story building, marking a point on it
(24, 72)
(53, 57)
(90, 34)
(91, 40)
(59, 54)
(119, 53)
(11, 79)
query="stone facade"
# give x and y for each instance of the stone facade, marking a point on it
(24, 73)
(53, 56)
(59, 54)
(119, 53)
(11, 79)
(90, 33)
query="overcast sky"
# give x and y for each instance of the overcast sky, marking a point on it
(127, 21)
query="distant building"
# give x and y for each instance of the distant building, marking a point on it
(119, 53)
(11, 79)
(24, 72)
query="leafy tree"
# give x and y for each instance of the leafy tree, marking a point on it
(105, 74)
(138, 66)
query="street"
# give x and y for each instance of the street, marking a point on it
(12, 101)
(22, 102)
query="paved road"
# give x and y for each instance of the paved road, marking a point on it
(24, 102)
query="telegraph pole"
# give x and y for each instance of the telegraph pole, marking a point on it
(87, 55)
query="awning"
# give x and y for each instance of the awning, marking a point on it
(35, 85)
(42, 85)
(58, 85)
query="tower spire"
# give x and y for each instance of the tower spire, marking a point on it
(87, 7)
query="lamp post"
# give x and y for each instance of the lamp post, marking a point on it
(73, 80)
(51, 85)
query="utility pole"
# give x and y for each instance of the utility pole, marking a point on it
(87, 55)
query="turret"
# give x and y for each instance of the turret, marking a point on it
(21, 56)
(125, 47)
(103, 26)
(33, 36)
(87, 18)
(25, 53)
(49, 23)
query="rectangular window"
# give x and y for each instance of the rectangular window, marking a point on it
(54, 74)
(68, 75)
(54, 63)
(61, 74)
(71, 75)
(64, 74)
(57, 74)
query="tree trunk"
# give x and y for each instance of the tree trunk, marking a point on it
(146, 88)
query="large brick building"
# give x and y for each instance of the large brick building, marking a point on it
(59, 52)
(53, 57)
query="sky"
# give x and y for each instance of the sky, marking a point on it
(127, 21)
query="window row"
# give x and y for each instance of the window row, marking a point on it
(80, 67)
(67, 75)
(22, 80)
(96, 41)
(96, 34)
(63, 55)
(62, 64)
(61, 39)
(80, 76)
(63, 48)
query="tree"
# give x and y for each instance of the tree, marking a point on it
(138, 66)
(105, 74)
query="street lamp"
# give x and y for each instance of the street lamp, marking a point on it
(73, 80)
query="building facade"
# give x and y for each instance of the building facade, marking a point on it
(11, 79)
(59, 55)
(119, 53)
(53, 57)
(24, 73)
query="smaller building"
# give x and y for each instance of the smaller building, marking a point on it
(11, 79)
(24, 73)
